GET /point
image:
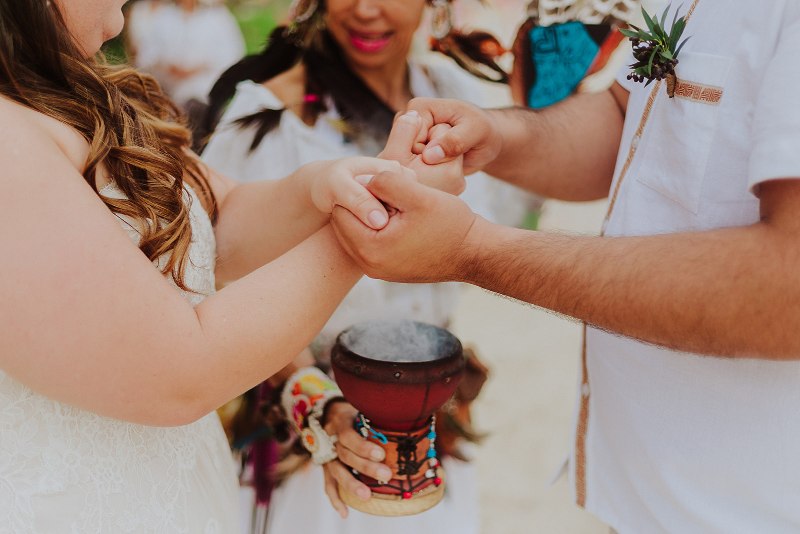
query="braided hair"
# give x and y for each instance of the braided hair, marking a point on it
(330, 79)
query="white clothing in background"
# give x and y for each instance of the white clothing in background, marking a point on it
(207, 39)
(300, 504)
(67, 470)
(680, 442)
(139, 31)
(293, 144)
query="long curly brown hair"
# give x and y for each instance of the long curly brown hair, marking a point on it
(133, 130)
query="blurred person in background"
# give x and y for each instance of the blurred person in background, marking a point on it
(328, 85)
(568, 46)
(185, 45)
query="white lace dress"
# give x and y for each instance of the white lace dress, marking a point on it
(66, 470)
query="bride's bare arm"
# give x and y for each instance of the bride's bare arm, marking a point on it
(260, 221)
(85, 318)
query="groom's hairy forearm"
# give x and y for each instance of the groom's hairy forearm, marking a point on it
(731, 292)
(567, 151)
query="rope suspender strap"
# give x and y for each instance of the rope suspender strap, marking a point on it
(583, 414)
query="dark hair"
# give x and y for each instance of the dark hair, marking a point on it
(129, 123)
(475, 52)
(42, 62)
(329, 76)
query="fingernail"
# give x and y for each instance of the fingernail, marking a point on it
(364, 179)
(384, 474)
(377, 454)
(410, 115)
(363, 493)
(378, 219)
(434, 154)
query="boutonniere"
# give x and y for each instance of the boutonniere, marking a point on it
(656, 49)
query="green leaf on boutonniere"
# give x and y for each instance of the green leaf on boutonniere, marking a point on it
(656, 49)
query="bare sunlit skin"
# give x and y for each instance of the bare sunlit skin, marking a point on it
(92, 22)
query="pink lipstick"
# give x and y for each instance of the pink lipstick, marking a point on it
(369, 42)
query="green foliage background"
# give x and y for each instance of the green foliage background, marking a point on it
(256, 19)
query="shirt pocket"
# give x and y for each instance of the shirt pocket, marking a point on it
(677, 139)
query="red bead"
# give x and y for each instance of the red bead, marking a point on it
(437, 481)
(406, 494)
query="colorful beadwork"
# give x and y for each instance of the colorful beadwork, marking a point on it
(407, 466)
(363, 427)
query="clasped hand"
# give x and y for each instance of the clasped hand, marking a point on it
(344, 182)
(426, 238)
(425, 217)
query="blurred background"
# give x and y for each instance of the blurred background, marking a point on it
(527, 405)
(257, 17)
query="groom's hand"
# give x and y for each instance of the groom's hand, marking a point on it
(430, 238)
(446, 176)
(473, 133)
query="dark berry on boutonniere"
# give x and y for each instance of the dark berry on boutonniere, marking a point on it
(656, 49)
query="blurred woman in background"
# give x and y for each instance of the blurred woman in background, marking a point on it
(326, 86)
(185, 45)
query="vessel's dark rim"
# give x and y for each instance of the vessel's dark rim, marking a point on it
(400, 372)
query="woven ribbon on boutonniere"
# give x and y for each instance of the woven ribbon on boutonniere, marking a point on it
(656, 49)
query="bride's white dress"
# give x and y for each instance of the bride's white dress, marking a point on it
(66, 470)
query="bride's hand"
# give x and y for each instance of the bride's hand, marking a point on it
(341, 183)
(354, 452)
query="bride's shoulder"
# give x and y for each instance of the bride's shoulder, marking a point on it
(26, 132)
(22, 135)
(15, 117)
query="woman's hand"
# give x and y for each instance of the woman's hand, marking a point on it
(354, 451)
(341, 183)
(474, 135)
(447, 176)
